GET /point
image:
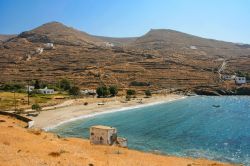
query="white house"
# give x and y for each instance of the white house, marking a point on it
(108, 44)
(49, 46)
(240, 80)
(193, 47)
(46, 91)
(88, 92)
(29, 88)
(39, 50)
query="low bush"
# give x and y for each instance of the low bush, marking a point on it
(131, 92)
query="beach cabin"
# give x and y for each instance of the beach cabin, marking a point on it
(104, 135)
(46, 91)
(240, 80)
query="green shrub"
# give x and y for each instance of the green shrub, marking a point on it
(75, 91)
(131, 92)
(65, 84)
(102, 91)
(11, 87)
(37, 84)
(148, 93)
(36, 107)
(113, 90)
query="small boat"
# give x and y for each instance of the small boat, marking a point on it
(216, 106)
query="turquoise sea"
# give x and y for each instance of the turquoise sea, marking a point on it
(215, 128)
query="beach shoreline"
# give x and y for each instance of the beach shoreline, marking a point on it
(21, 146)
(50, 119)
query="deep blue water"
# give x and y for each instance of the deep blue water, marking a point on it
(190, 127)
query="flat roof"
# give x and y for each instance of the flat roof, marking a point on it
(102, 127)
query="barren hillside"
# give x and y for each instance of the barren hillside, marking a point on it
(161, 59)
(6, 37)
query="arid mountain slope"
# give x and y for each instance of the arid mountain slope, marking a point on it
(166, 39)
(6, 37)
(161, 59)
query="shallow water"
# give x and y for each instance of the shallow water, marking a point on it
(215, 128)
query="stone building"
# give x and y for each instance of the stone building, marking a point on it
(103, 135)
(106, 135)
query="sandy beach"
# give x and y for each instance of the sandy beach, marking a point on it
(77, 110)
(22, 147)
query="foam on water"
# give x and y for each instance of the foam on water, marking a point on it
(215, 128)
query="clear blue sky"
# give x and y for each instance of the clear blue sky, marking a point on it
(227, 20)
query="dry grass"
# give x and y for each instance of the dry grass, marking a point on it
(7, 101)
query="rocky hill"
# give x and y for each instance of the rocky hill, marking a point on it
(161, 59)
(6, 37)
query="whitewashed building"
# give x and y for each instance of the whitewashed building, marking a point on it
(29, 88)
(108, 44)
(88, 92)
(39, 50)
(46, 91)
(240, 80)
(193, 47)
(49, 46)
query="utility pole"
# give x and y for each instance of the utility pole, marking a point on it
(15, 99)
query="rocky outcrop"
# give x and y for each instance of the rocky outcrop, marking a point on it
(243, 91)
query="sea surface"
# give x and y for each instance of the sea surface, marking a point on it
(216, 128)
